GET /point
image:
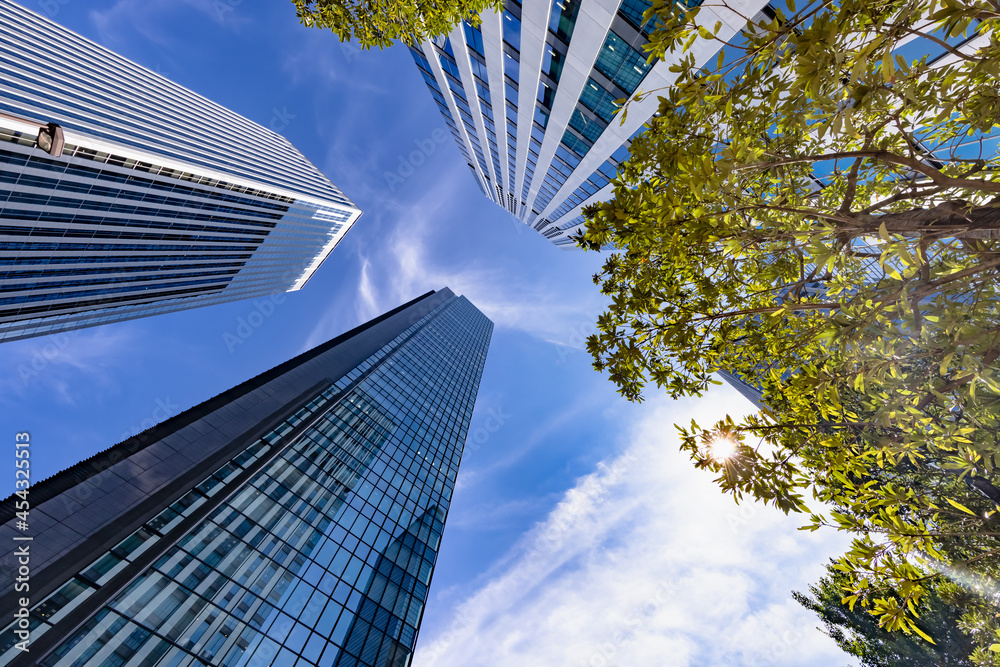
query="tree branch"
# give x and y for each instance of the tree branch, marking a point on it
(770, 309)
(887, 157)
(992, 355)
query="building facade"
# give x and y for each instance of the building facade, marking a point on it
(292, 520)
(159, 200)
(529, 96)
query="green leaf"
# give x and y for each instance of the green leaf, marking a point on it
(945, 362)
(920, 632)
(960, 506)
(888, 71)
(741, 238)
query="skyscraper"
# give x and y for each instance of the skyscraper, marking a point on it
(530, 98)
(292, 520)
(159, 200)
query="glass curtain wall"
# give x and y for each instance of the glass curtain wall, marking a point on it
(313, 546)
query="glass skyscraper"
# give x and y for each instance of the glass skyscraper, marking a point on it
(529, 96)
(293, 520)
(159, 200)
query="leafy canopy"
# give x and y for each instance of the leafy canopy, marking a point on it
(376, 23)
(818, 211)
(858, 633)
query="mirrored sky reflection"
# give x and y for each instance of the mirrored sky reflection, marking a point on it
(578, 534)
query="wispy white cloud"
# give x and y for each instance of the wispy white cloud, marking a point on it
(54, 364)
(367, 306)
(315, 61)
(320, 59)
(489, 516)
(145, 17)
(645, 562)
(132, 13)
(512, 454)
(412, 260)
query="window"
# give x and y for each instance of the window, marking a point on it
(562, 19)
(512, 30)
(588, 127)
(621, 63)
(599, 100)
(552, 63)
(474, 38)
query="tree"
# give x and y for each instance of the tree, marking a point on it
(858, 633)
(818, 212)
(376, 23)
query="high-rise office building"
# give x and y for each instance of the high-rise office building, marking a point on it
(158, 200)
(529, 96)
(292, 520)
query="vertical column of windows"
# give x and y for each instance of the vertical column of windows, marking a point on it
(510, 67)
(623, 66)
(562, 20)
(474, 38)
(458, 94)
(509, 26)
(512, 28)
(508, 53)
(622, 63)
(486, 106)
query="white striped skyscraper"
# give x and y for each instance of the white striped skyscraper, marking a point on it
(529, 96)
(160, 200)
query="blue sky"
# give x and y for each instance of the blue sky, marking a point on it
(578, 534)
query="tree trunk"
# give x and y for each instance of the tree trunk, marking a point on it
(951, 219)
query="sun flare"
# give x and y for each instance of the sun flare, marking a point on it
(722, 448)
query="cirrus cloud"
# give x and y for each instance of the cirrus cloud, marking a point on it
(645, 562)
